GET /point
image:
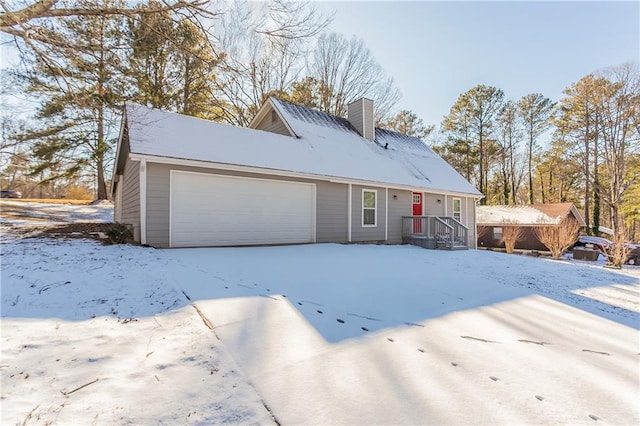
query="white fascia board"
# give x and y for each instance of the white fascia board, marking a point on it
(118, 149)
(276, 172)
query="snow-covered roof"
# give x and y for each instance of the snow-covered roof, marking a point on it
(324, 146)
(536, 214)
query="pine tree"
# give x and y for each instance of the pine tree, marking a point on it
(408, 123)
(535, 111)
(81, 85)
(470, 125)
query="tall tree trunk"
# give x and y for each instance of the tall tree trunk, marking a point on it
(101, 149)
(530, 168)
(596, 186)
(483, 189)
(587, 177)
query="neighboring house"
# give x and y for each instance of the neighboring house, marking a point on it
(295, 176)
(492, 220)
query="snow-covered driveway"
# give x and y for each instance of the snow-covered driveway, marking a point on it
(333, 334)
(321, 334)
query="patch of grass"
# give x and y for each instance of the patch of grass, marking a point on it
(50, 201)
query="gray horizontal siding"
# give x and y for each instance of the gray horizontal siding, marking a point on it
(331, 212)
(273, 123)
(331, 203)
(130, 207)
(361, 233)
(398, 207)
(158, 183)
(433, 204)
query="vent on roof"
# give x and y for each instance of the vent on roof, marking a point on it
(360, 115)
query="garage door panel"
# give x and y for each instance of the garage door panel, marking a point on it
(213, 210)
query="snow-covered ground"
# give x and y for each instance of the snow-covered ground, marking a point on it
(21, 218)
(319, 334)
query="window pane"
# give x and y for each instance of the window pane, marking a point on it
(369, 199)
(497, 233)
(369, 216)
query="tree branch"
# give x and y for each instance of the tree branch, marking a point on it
(45, 9)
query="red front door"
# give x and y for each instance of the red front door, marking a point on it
(417, 211)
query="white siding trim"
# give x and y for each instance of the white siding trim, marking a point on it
(118, 211)
(143, 201)
(171, 172)
(349, 212)
(274, 172)
(118, 149)
(445, 205)
(453, 207)
(386, 214)
(375, 209)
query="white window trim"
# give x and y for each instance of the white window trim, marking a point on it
(453, 208)
(375, 208)
(493, 234)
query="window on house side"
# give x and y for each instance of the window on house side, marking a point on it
(369, 205)
(497, 233)
(457, 209)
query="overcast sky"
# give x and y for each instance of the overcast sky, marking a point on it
(436, 51)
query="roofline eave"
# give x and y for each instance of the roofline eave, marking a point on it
(279, 172)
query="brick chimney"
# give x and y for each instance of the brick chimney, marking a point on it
(360, 115)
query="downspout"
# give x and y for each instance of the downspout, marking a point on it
(143, 201)
(349, 214)
(475, 226)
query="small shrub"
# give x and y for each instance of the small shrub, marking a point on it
(510, 236)
(78, 193)
(560, 237)
(119, 233)
(618, 251)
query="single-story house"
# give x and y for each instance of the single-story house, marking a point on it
(295, 175)
(491, 221)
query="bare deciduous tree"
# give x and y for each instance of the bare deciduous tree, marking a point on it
(618, 251)
(617, 106)
(264, 45)
(558, 238)
(510, 236)
(348, 71)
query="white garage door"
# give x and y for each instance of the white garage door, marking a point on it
(214, 210)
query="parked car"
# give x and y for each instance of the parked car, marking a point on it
(11, 194)
(604, 246)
